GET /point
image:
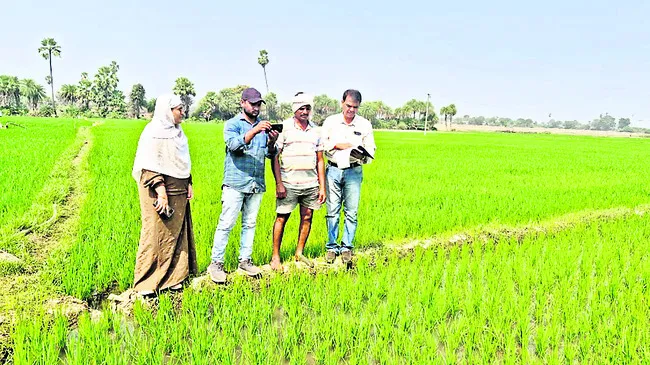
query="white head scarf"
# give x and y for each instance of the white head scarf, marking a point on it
(301, 99)
(163, 146)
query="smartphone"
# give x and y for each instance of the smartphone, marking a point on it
(277, 127)
(165, 214)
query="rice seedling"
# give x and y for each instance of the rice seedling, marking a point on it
(575, 296)
(418, 187)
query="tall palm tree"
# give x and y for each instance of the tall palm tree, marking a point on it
(50, 48)
(33, 92)
(263, 60)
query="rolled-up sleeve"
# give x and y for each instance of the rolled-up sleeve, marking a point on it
(233, 136)
(151, 179)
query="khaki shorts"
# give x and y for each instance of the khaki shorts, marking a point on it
(304, 197)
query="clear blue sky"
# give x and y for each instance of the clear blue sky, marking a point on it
(574, 59)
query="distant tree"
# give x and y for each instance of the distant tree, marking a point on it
(84, 92)
(48, 49)
(324, 106)
(228, 101)
(480, 120)
(185, 89)
(151, 105)
(9, 91)
(103, 90)
(207, 107)
(445, 114)
(271, 107)
(263, 60)
(68, 94)
(603, 123)
(451, 112)
(375, 111)
(572, 124)
(33, 92)
(623, 123)
(554, 124)
(137, 100)
(285, 111)
(117, 105)
(524, 123)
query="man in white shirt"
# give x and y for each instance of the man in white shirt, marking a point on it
(343, 134)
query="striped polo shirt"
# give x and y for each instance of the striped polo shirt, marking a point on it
(297, 149)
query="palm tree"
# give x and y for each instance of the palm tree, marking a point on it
(68, 94)
(48, 49)
(451, 110)
(33, 92)
(263, 60)
(444, 111)
(9, 91)
(84, 91)
(138, 100)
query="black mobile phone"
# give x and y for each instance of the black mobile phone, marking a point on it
(277, 127)
(165, 214)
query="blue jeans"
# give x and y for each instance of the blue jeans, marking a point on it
(343, 187)
(234, 202)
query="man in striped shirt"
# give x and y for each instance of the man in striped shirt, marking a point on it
(299, 171)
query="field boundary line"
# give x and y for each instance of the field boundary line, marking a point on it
(493, 232)
(483, 234)
(37, 281)
(48, 207)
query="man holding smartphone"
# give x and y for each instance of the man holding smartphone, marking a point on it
(249, 141)
(299, 171)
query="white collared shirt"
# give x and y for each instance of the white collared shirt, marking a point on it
(357, 133)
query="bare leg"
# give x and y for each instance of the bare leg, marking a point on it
(305, 227)
(278, 232)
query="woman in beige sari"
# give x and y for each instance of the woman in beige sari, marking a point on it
(166, 254)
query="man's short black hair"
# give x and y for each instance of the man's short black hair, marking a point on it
(354, 94)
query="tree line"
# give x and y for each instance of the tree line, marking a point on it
(99, 96)
(604, 122)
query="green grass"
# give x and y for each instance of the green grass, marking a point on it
(28, 157)
(419, 186)
(569, 295)
(579, 295)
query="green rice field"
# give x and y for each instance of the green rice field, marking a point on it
(578, 294)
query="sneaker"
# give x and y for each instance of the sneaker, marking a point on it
(346, 257)
(216, 272)
(330, 256)
(248, 268)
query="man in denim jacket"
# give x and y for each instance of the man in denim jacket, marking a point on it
(249, 141)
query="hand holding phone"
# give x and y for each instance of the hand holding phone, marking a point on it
(165, 212)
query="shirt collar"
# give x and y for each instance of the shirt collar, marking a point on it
(242, 117)
(351, 123)
(296, 125)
